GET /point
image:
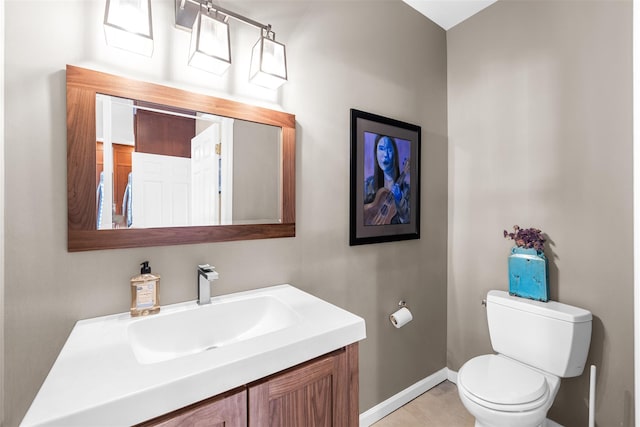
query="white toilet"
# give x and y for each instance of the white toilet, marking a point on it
(537, 344)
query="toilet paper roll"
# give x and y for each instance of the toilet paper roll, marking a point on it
(401, 317)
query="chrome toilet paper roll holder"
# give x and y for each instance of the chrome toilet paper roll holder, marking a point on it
(401, 304)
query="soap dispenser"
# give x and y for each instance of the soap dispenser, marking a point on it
(144, 292)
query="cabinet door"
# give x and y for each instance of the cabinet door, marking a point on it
(121, 170)
(314, 394)
(225, 410)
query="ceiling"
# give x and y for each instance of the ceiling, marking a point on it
(448, 13)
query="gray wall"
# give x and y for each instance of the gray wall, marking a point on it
(540, 122)
(380, 57)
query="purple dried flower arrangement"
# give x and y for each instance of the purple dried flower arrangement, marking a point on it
(529, 238)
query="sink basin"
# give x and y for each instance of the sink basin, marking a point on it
(209, 327)
(121, 370)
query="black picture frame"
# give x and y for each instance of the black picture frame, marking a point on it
(377, 214)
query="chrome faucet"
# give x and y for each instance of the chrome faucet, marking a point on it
(206, 275)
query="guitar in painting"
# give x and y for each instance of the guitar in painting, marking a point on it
(383, 207)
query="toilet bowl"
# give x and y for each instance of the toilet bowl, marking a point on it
(501, 392)
(537, 343)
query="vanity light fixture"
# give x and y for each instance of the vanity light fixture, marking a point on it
(210, 43)
(268, 61)
(127, 25)
(210, 48)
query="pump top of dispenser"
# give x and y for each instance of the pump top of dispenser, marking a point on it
(146, 269)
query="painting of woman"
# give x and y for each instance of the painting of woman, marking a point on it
(386, 187)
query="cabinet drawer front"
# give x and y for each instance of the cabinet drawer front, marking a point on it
(226, 410)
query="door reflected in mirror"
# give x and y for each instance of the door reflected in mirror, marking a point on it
(159, 166)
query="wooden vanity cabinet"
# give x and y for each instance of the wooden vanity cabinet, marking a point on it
(322, 392)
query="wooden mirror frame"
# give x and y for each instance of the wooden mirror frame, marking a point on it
(82, 87)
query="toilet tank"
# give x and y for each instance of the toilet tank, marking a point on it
(551, 336)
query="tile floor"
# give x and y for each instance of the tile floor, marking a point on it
(438, 407)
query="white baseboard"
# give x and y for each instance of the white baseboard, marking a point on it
(452, 376)
(383, 409)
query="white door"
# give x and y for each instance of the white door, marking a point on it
(224, 166)
(161, 190)
(205, 177)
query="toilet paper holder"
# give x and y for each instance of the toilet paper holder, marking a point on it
(402, 316)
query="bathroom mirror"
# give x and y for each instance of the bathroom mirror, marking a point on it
(150, 165)
(161, 167)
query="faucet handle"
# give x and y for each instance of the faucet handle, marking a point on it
(208, 271)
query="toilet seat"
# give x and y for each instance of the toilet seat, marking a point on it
(499, 383)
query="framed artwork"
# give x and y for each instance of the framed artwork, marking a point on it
(385, 179)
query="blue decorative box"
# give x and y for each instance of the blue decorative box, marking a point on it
(528, 274)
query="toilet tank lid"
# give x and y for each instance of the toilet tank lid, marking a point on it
(553, 309)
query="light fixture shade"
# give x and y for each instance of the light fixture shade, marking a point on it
(268, 63)
(127, 25)
(210, 48)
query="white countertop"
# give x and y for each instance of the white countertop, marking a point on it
(97, 380)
